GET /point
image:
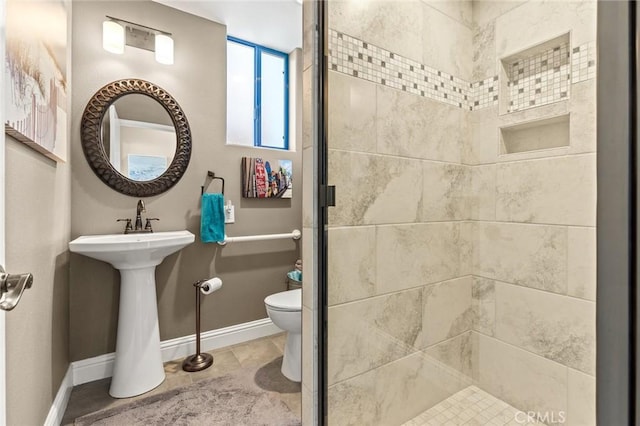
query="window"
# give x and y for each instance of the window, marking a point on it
(257, 95)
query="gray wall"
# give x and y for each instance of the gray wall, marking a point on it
(37, 233)
(37, 221)
(250, 271)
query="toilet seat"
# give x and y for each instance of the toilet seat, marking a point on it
(290, 300)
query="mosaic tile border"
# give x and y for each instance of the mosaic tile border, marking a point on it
(583, 62)
(484, 93)
(358, 58)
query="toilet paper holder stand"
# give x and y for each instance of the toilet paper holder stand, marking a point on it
(199, 361)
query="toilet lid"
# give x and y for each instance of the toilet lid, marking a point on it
(290, 300)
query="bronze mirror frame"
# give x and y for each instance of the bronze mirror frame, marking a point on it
(94, 152)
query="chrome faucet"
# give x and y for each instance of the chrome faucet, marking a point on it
(128, 229)
(139, 209)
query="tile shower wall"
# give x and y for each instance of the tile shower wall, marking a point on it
(450, 263)
(400, 290)
(533, 215)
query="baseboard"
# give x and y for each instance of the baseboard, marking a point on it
(184, 346)
(90, 369)
(101, 367)
(59, 405)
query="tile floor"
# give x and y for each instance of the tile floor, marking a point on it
(471, 407)
(94, 396)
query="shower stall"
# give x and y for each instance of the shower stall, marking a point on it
(461, 251)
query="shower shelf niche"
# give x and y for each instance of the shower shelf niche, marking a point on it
(548, 133)
(536, 76)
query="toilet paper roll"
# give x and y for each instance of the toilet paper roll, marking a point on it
(210, 285)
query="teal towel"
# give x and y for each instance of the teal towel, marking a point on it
(212, 219)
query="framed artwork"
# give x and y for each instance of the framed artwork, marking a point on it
(266, 179)
(145, 167)
(35, 75)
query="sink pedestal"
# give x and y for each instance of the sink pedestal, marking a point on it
(138, 365)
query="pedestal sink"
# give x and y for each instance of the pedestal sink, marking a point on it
(138, 364)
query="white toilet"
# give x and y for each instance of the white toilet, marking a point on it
(285, 310)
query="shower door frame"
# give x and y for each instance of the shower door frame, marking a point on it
(617, 214)
(321, 56)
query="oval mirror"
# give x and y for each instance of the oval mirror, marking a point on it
(136, 137)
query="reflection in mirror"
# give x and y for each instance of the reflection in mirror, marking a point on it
(138, 137)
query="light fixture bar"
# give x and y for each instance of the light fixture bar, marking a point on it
(138, 26)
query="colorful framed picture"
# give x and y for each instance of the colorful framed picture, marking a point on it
(266, 179)
(35, 75)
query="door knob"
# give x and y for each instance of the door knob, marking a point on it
(11, 288)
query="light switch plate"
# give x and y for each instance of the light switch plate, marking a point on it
(229, 214)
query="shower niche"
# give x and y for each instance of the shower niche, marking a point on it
(547, 133)
(536, 77)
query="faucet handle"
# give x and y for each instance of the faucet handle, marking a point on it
(147, 226)
(127, 226)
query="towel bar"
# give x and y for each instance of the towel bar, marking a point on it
(295, 234)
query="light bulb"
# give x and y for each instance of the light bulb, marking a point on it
(113, 37)
(164, 49)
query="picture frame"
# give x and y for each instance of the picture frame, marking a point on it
(35, 75)
(262, 178)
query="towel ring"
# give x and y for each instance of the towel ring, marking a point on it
(213, 176)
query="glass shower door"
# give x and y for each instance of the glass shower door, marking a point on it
(461, 250)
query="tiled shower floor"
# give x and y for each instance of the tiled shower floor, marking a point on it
(471, 407)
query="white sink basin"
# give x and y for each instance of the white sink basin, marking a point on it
(126, 251)
(138, 363)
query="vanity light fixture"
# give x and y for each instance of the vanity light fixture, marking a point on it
(118, 32)
(164, 49)
(113, 37)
